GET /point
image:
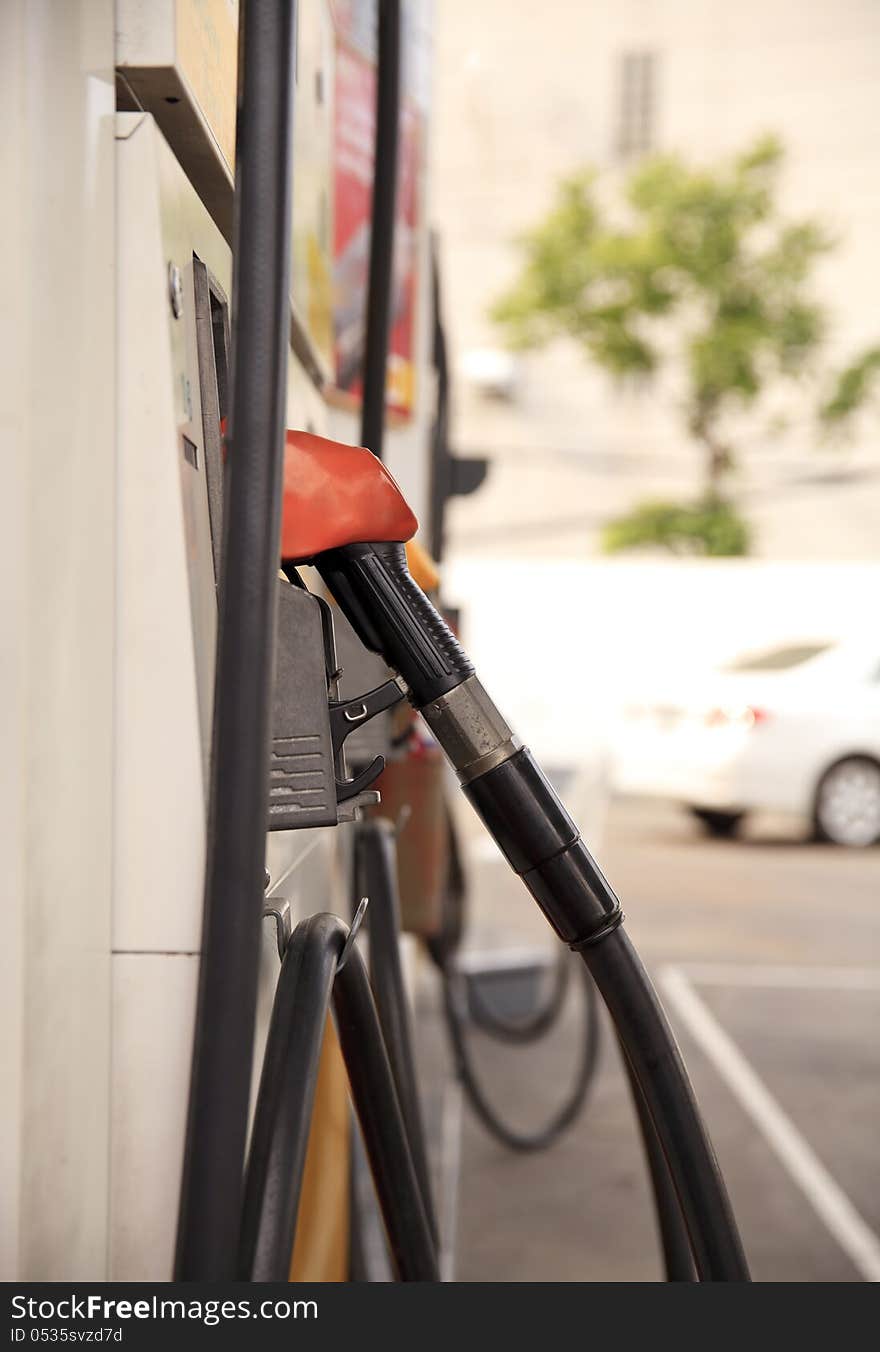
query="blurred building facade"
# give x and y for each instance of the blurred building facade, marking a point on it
(526, 94)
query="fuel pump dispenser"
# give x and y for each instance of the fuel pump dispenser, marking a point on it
(343, 513)
(222, 679)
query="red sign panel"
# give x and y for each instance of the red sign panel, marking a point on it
(355, 117)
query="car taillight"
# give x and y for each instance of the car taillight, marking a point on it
(746, 716)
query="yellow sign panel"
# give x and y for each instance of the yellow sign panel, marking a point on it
(207, 56)
(179, 61)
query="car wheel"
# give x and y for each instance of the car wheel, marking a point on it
(720, 824)
(847, 808)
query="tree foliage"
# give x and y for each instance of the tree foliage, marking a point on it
(853, 386)
(708, 527)
(696, 271)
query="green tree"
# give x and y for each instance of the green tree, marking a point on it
(851, 389)
(698, 272)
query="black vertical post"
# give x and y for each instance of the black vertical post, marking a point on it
(440, 454)
(211, 1191)
(382, 227)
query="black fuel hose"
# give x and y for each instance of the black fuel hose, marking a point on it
(520, 1032)
(675, 1246)
(573, 1103)
(677, 1258)
(543, 846)
(286, 1099)
(659, 1070)
(211, 1190)
(376, 878)
(318, 961)
(374, 1094)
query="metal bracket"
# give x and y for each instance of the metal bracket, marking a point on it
(345, 717)
(308, 777)
(348, 811)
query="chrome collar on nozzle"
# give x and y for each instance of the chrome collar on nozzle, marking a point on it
(470, 730)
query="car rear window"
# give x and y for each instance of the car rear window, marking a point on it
(777, 659)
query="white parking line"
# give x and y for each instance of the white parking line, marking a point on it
(783, 977)
(827, 1199)
(450, 1176)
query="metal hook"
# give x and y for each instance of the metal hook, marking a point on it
(353, 932)
(280, 913)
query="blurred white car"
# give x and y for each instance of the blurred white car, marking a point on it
(795, 728)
